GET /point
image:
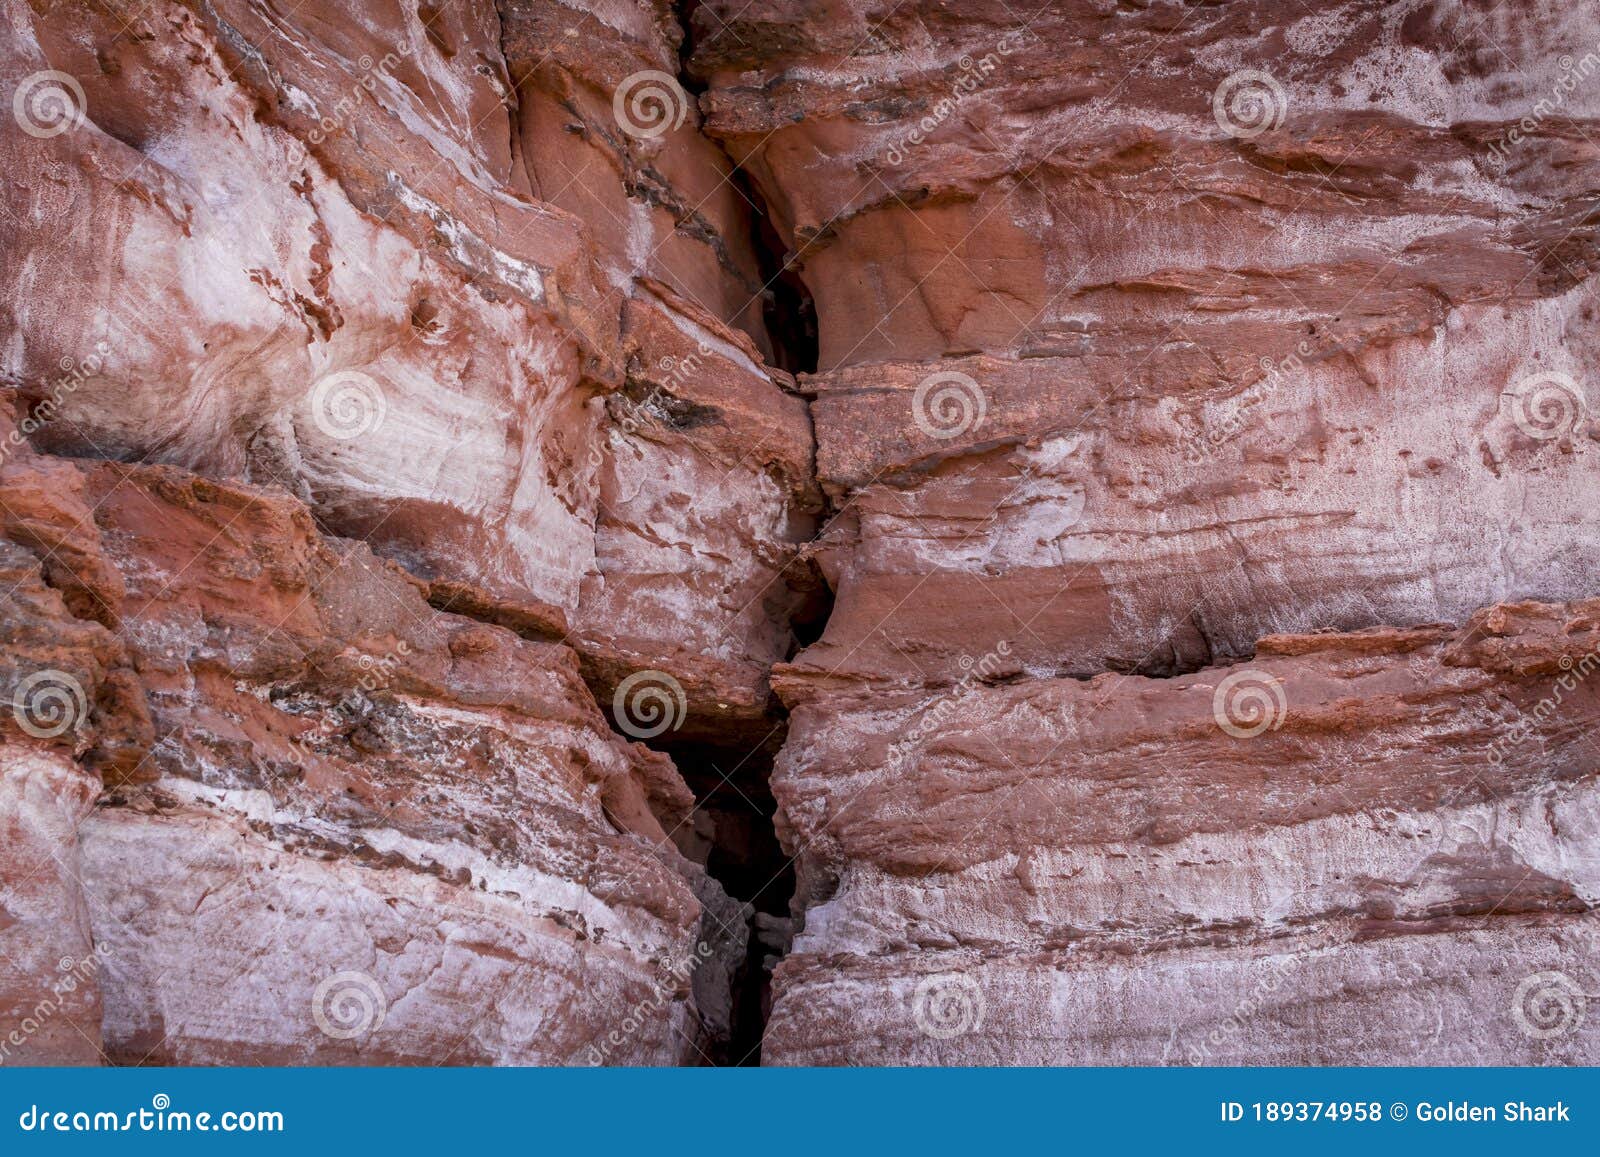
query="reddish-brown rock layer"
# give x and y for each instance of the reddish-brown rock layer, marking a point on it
(1153, 338)
(444, 401)
(402, 506)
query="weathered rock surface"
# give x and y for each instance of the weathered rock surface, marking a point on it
(1161, 345)
(345, 256)
(366, 318)
(1043, 844)
(1135, 459)
(703, 499)
(365, 813)
(1079, 338)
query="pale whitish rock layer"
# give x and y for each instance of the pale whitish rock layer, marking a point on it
(216, 937)
(49, 968)
(1441, 998)
(1402, 865)
(230, 276)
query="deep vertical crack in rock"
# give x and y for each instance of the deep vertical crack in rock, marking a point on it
(787, 305)
(730, 781)
(733, 794)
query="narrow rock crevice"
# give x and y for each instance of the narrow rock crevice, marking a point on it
(731, 783)
(787, 305)
(732, 793)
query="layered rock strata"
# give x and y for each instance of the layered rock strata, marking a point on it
(1168, 352)
(383, 404)
(1135, 460)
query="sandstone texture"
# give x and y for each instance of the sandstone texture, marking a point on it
(625, 532)
(1182, 366)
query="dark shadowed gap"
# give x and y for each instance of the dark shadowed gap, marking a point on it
(731, 783)
(787, 306)
(733, 793)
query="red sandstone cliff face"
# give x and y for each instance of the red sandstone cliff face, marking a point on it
(446, 409)
(436, 434)
(1177, 360)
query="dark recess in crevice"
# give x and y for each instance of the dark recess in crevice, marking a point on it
(686, 77)
(731, 782)
(787, 308)
(732, 791)
(812, 618)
